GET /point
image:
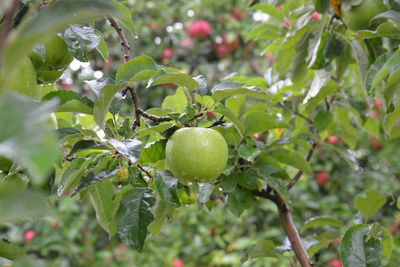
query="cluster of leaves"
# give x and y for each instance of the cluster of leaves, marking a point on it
(316, 87)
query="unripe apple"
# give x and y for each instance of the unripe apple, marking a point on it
(358, 17)
(335, 263)
(196, 154)
(29, 235)
(199, 29)
(321, 178)
(166, 54)
(122, 175)
(23, 80)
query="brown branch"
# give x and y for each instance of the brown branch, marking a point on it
(296, 178)
(143, 170)
(291, 232)
(153, 117)
(7, 20)
(121, 34)
(395, 226)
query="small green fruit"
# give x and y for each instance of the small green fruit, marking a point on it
(56, 60)
(122, 175)
(358, 17)
(196, 154)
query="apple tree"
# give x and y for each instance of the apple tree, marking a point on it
(291, 102)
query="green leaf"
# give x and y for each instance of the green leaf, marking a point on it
(81, 39)
(85, 144)
(247, 180)
(134, 216)
(229, 88)
(279, 186)
(248, 153)
(228, 183)
(125, 17)
(73, 174)
(385, 29)
(101, 196)
(369, 202)
(292, 158)
(135, 178)
(67, 133)
(264, 31)
(343, 120)
(128, 70)
(202, 192)
(17, 206)
(357, 250)
(322, 120)
(9, 250)
(321, 77)
(167, 185)
(259, 121)
(239, 200)
(268, 9)
(221, 109)
(153, 152)
(103, 104)
(28, 138)
(375, 68)
(47, 22)
(130, 148)
(263, 248)
(160, 211)
(371, 125)
(181, 79)
(102, 47)
(66, 96)
(387, 243)
(320, 221)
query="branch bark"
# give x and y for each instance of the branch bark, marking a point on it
(7, 20)
(287, 223)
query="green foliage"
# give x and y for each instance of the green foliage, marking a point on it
(293, 94)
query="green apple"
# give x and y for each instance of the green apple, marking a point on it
(23, 80)
(358, 17)
(56, 59)
(196, 154)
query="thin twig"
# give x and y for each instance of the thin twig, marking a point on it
(143, 170)
(296, 113)
(121, 34)
(296, 178)
(7, 20)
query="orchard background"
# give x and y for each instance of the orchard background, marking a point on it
(309, 108)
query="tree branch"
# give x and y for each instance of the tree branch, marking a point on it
(7, 20)
(121, 34)
(296, 178)
(291, 232)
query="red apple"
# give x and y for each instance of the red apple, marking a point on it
(221, 50)
(237, 14)
(333, 139)
(315, 16)
(210, 115)
(373, 115)
(375, 143)
(154, 26)
(29, 235)
(339, 240)
(270, 58)
(378, 103)
(186, 42)
(166, 54)
(279, 8)
(287, 23)
(257, 136)
(335, 263)
(212, 230)
(321, 178)
(232, 44)
(177, 262)
(199, 29)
